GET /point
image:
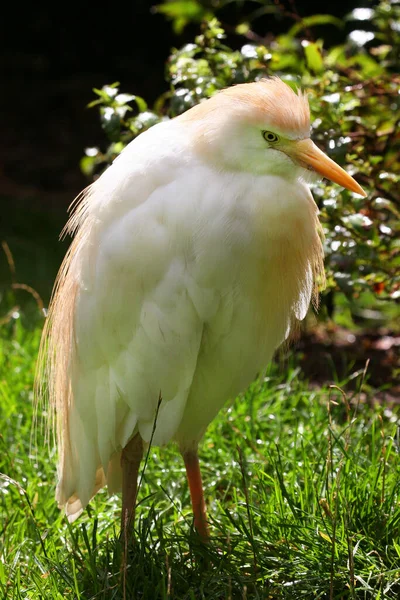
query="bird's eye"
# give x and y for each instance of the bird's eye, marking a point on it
(270, 137)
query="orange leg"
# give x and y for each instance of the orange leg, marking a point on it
(196, 493)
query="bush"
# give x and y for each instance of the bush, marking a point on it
(355, 103)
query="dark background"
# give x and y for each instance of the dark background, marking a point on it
(51, 56)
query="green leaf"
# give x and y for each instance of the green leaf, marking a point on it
(141, 103)
(313, 21)
(182, 12)
(94, 103)
(117, 147)
(312, 52)
(87, 164)
(107, 92)
(111, 123)
(242, 28)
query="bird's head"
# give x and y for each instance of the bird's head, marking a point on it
(261, 128)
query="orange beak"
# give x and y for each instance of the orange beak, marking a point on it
(308, 154)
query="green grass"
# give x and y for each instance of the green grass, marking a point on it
(303, 496)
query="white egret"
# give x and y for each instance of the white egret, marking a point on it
(195, 255)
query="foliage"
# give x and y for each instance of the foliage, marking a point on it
(302, 487)
(353, 93)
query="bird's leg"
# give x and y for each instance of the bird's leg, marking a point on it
(130, 462)
(196, 493)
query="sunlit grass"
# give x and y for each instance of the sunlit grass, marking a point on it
(303, 496)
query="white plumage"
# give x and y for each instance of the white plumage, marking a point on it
(195, 255)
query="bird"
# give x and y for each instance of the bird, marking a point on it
(195, 255)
